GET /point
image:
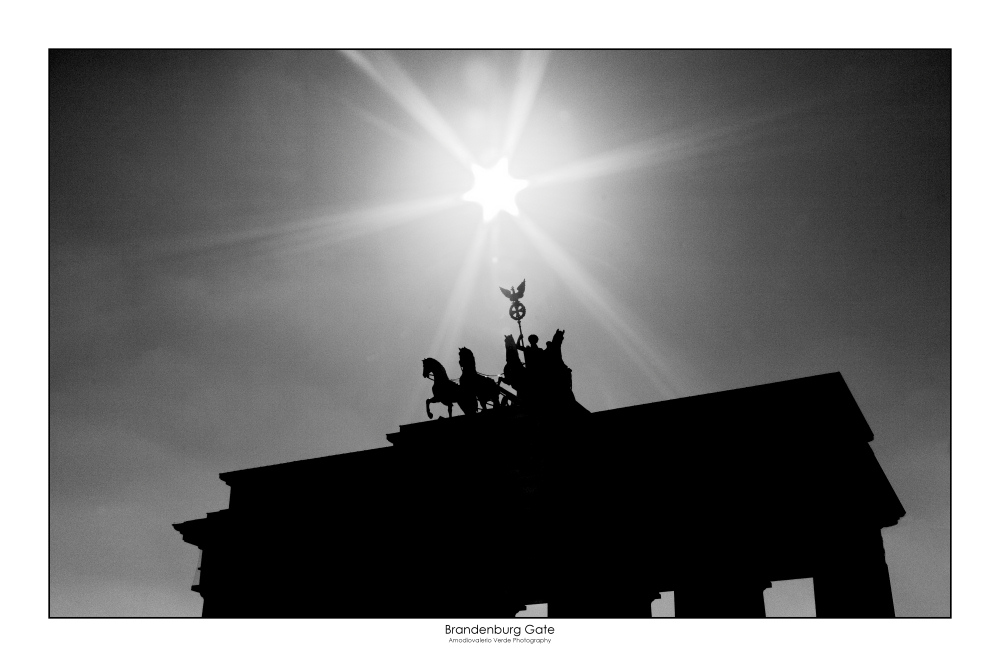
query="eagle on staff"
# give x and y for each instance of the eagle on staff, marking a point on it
(514, 294)
(516, 307)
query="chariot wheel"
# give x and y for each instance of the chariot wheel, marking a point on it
(516, 311)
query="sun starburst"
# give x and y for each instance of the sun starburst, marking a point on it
(495, 189)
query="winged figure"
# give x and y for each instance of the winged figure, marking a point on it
(514, 294)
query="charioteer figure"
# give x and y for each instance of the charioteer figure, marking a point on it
(533, 355)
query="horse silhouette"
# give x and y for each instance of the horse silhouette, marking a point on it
(483, 388)
(513, 370)
(447, 391)
(559, 376)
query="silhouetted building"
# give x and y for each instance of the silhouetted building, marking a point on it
(712, 497)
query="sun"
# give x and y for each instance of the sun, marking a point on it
(495, 189)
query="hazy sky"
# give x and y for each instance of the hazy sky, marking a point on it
(251, 253)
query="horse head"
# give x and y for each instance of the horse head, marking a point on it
(434, 366)
(558, 337)
(466, 360)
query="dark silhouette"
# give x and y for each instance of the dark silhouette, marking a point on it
(447, 391)
(558, 376)
(712, 497)
(532, 353)
(513, 370)
(532, 388)
(514, 293)
(483, 388)
(517, 310)
(544, 380)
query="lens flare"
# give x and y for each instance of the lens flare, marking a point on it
(495, 190)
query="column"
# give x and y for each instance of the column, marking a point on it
(852, 580)
(720, 597)
(603, 604)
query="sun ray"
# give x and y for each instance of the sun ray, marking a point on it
(312, 232)
(495, 254)
(446, 336)
(667, 147)
(375, 219)
(382, 69)
(381, 124)
(641, 154)
(530, 72)
(665, 377)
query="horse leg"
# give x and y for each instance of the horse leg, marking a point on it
(430, 415)
(449, 411)
(489, 392)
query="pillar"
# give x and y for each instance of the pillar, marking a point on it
(852, 580)
(597, 604)
(720, 597)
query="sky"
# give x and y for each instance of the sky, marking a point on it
(251, 252)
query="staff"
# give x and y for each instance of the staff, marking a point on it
(517, 309)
